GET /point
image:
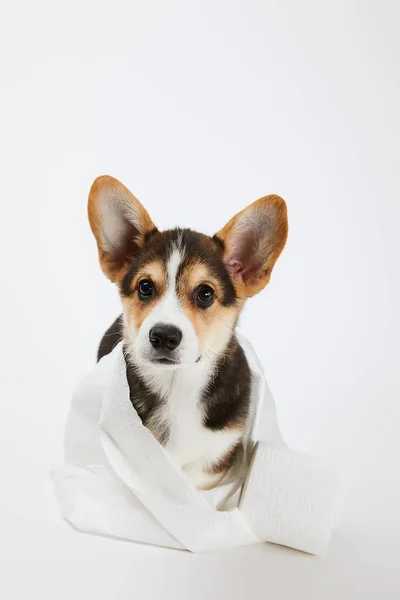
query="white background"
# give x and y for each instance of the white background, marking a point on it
(200, 108)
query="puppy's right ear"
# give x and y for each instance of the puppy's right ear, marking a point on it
(119, 223)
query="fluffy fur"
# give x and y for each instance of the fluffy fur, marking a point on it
(189, 381)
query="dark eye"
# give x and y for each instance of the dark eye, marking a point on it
(205, 295)
(145, 289)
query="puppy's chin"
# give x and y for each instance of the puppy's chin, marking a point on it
(166, 363)
(163, 365)
(146, 359)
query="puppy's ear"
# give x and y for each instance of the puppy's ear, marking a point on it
(252, 240)
(119, 223)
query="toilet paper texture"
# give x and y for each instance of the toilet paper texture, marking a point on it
(118, 481)
(290, 498)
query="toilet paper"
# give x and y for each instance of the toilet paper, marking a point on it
(118, 480)
(290, 498)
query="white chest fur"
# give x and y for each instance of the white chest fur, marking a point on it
(192, 446)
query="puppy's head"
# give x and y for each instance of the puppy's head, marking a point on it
(182, 291)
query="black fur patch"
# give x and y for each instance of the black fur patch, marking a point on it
(195, 246)
(110, 339)
(219, 242)
(158, 248)
(145, 402)
(201, 247)
(226, 398)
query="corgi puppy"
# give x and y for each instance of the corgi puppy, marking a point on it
(182, 293)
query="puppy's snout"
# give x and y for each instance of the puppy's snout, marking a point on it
(165, 337)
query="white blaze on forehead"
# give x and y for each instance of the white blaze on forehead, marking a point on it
(169, 310)
(173, 263)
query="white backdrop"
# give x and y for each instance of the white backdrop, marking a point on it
(200, 108)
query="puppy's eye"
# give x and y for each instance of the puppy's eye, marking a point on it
(205, 295)
(145, 289)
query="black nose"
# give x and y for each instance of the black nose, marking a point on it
(163, 336)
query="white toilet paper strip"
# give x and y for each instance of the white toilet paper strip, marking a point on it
(119, 481)
(288, 498)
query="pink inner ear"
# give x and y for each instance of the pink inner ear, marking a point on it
(242, 258)
(234, 266)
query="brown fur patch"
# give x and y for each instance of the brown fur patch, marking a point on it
(136, 309)
(213, 325)
(224, 463)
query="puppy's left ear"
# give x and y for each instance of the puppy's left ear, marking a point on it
(252, 240)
